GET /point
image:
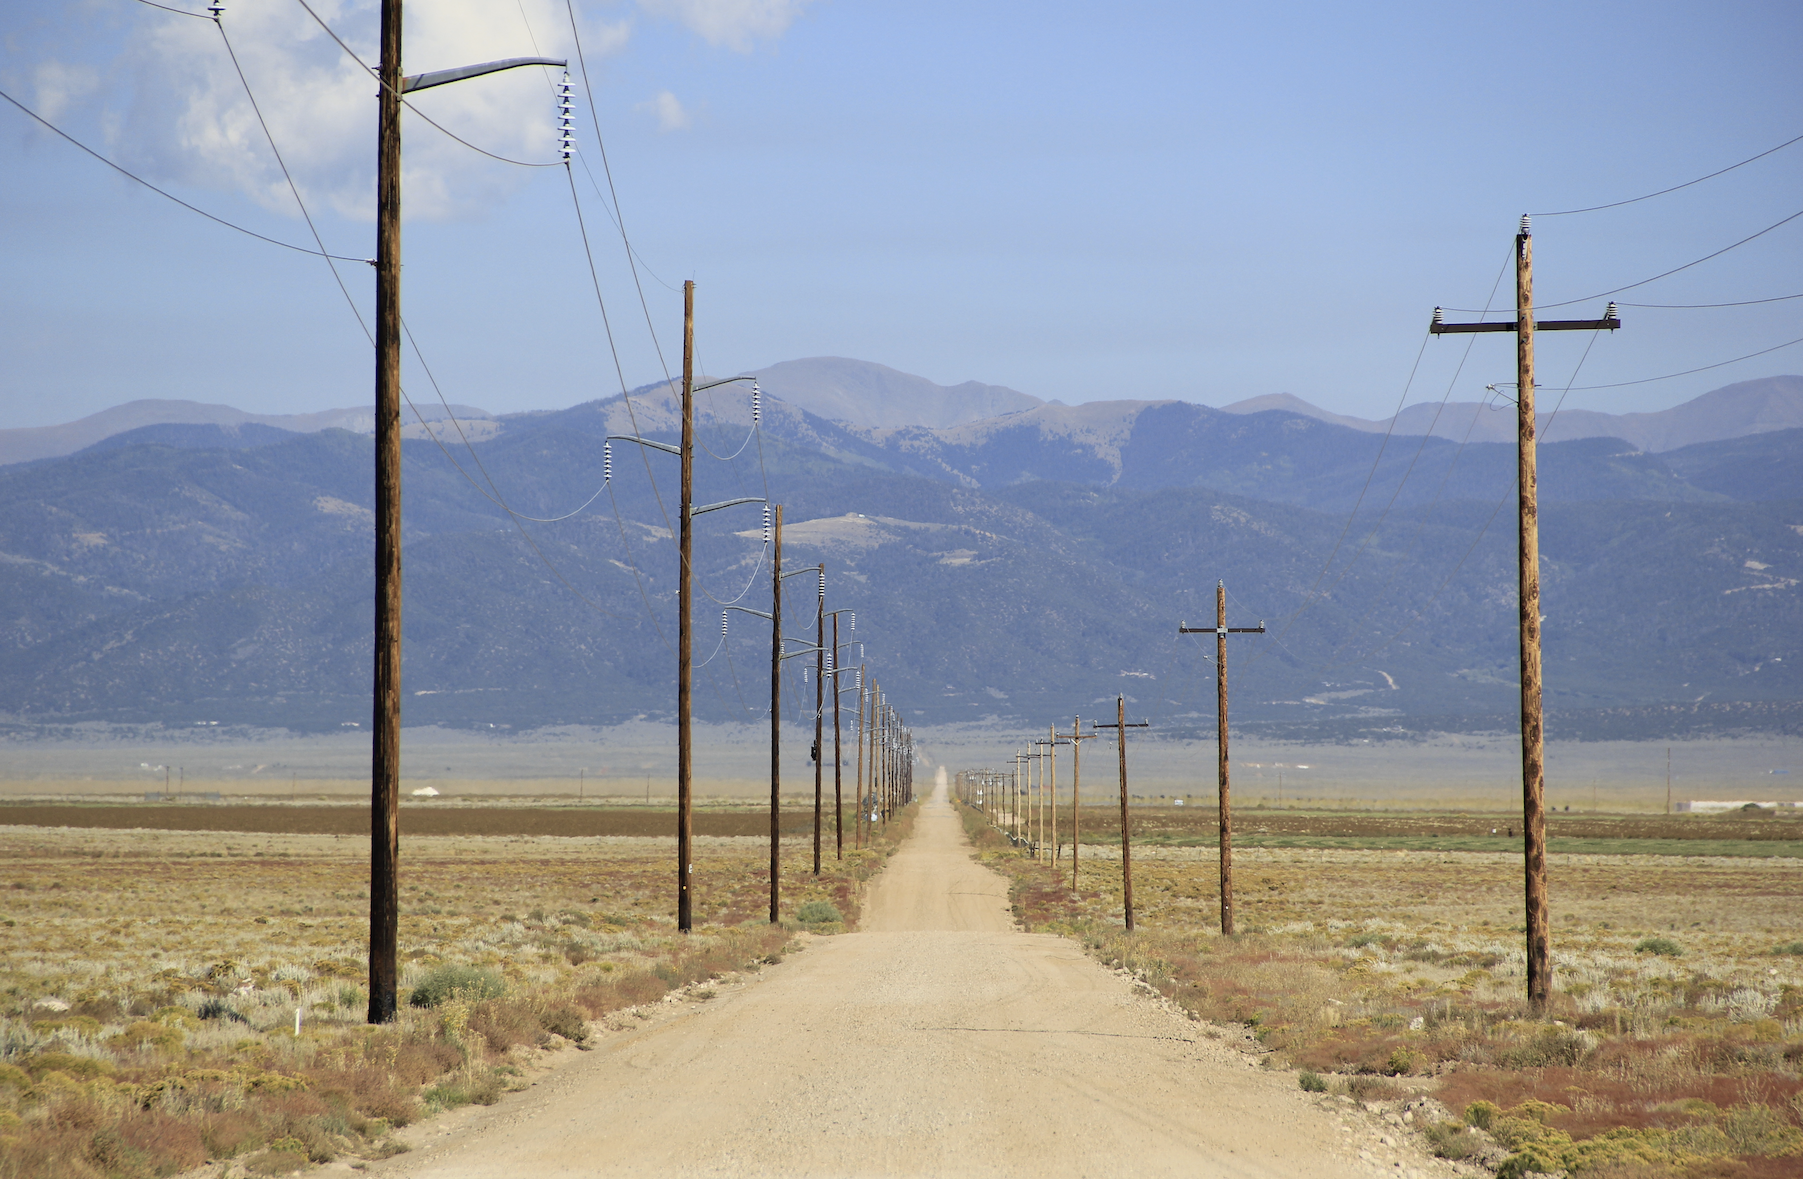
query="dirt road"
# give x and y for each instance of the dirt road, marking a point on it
(936, 1041)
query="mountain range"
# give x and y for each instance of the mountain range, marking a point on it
(873, 396)
(1024, 565)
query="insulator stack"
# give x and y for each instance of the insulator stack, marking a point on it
(854, 620)
(1610, 312)
(766, 523)
(755, 408)
(607, 463)
(216, 7)
(566, 136)
(722, 624)
(823, 585)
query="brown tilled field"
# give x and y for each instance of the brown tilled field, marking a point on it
(567, 821)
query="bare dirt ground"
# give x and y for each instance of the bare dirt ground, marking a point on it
(938, 1040)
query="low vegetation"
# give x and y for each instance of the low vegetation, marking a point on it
(1674, 1047)
(150, 982)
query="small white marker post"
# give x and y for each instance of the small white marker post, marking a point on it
(297, 1015)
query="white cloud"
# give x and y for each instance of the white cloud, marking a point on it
(733, 23)
(58, 86)
(189, 120)
(669, 111)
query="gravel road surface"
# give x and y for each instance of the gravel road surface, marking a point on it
(937, 1040)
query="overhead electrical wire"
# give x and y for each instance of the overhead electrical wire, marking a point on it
(177, 11)
(1460, 564)
(357, 312)
(1687, 372)
(171, 196)
(1674, 188)
(1664, 274)
(1705, 306)
(1311, 598)
(441, 128)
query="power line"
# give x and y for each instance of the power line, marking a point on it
(1674, 270)
(1460, 564)
(177, 11)
(1702, 306)
(376, 74)
(1674, 188)
(171, 196)
(1310, 598)
(1687, 372)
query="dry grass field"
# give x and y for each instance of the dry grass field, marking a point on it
(150, 980)
(1675, 1044)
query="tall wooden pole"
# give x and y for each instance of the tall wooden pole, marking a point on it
(819, 704)
(858, 827)
(1221, 757)
(684, 637)
(1076, 798)
(838, 762)
(776, 712)
(1052, 744)
(1120, 705)
(1533, 760)
(385, 727)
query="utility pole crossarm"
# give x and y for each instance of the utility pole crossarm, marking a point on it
(1184, 629)
(1608, 323)
(726, 503)
(663, 446)
(440, 77)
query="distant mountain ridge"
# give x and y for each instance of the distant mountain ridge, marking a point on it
(1022, 565)
(1733, 411)
(25, 443)
(890, 408)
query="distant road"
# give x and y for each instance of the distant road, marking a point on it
(415, 820)
(936, 1041)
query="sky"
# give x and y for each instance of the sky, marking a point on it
(1082, 202)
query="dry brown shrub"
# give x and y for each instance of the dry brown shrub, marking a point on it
(504, 1023)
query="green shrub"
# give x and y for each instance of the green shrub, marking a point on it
(1789, 948)
(565, 1021)
(1311, 1082)
(1482, 1114)
(818, 913)
(1452, 1140)
(1662, 946)
(457, 982)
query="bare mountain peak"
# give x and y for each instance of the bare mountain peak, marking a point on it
(875, 395)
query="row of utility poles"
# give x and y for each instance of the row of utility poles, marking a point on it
(883, 764)
(891, 756)
(984, 788)
(890, 753)
(999, 794)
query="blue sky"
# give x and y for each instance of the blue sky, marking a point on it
(1079, 201)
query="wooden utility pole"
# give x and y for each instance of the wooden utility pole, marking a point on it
(1077, 739)
(1668, 779)
(776, 712)
(1533, 752)
(819, 704)
(838, 762)
(1221, 631)
(685, 867)
(857, 828)
(385, 728)
(1121, 726)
